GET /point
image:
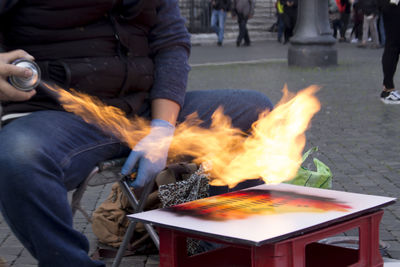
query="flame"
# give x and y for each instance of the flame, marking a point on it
(271, 150)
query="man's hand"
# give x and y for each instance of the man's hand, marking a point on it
(150, 153)
(7, 91)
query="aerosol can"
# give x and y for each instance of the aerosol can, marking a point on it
(29, 83)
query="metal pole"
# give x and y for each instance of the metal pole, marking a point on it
(312, 44)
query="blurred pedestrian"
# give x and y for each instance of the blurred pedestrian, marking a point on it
(334, 17)
(290, 17)
(345, 11)
(371, 12)
(358, 18)
(381, 30)
(280, 22)
(391, 21)
(243, 10)
(218, 17)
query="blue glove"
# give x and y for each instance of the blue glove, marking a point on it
(150, 153)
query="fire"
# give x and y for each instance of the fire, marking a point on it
(272, 149)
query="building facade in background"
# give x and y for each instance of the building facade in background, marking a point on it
(198, 14)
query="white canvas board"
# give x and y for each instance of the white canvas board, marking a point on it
(304, 208)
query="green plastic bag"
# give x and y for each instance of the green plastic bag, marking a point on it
(321, 178)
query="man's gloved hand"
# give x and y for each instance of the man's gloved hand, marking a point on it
(150, 153)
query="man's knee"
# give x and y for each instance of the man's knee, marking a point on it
(246, 106)
(255, 101)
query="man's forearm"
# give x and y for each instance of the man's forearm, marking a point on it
(165, 109)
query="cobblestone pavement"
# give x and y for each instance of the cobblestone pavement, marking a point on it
(356, 133)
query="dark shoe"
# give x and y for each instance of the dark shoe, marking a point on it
(375, 46)
(342, 40)
(362, 45)
(247, 44)
(237, 43)
(219, 43)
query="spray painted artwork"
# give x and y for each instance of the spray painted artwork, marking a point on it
(264, 212)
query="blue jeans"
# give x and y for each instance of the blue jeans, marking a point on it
(47, 153)
(218, 23)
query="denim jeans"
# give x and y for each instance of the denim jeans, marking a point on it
(281, 27)
(47, 153)
(218, 23)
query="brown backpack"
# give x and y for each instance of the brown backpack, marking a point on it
(109, 221)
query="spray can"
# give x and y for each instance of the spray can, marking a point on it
(29, 83)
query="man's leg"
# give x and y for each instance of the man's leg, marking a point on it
(381, 28)
(390, 59)
(344, 20)
(43, 155)
(214, 21)
(221, 25)
(246, 33)
(374, 31)
(365, 31)
(281, 27)
(241, 29)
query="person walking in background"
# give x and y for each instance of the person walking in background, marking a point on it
(371, 12)
(280, 23)
(290, 17)
(344, 9)
(218, 17)
(243, 10)
(358, 18)
(334, 17)
(391, 21)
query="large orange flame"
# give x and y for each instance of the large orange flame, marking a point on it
(272, 150)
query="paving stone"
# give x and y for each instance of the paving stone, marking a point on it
(10, 250)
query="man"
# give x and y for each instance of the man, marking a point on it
(243, 10)
(130, 54)
(280, 22)
(390, 58)
(345, 10)
(290, 18)
(218, 17)
(334, 17)
(371, 13)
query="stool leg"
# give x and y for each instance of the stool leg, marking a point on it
(137, 207)
(124, 244)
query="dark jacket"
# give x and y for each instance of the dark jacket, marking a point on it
(221, 4)
(391, 22)
(346, 6)
(243, 7)
(369, 7)
(114, 50)
(290, 8)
